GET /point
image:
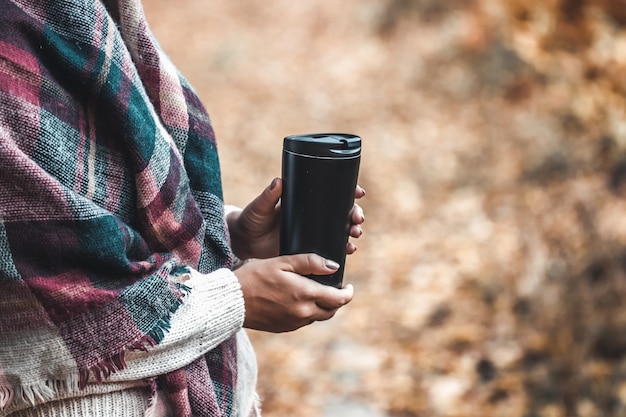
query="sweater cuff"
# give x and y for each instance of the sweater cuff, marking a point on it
(227, 210)
(211, 313)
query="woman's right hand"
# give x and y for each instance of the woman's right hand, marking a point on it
(279, 298)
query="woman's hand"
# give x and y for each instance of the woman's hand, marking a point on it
(278, 298)
(255, 231)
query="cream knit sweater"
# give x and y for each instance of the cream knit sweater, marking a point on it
(213, 311)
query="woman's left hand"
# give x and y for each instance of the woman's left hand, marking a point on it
(255, 231)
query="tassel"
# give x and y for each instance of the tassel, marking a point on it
(157, 333)
(6, 396)
(72, 383)
(31, 393)
(35, 393)
(83, 379)
(119, 362)
(152, 402)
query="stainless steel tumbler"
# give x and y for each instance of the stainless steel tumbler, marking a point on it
(319, 173)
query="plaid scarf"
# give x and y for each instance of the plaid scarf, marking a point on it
(109, 185)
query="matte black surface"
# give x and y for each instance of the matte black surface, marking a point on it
(320, 173)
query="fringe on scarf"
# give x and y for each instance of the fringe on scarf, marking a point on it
(50, 389)
(6, 396)
(40, 392)
(154, 398)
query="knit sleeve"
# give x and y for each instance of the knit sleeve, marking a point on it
(212, 311)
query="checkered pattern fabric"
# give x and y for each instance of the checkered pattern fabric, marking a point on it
(109, 186)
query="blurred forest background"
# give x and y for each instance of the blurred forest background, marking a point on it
(491, 278)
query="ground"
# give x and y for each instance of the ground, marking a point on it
(491, 276)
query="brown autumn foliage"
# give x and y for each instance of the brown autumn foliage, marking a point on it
(491, 279)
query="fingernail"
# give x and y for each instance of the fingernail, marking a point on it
(331, 264)
(273, 184)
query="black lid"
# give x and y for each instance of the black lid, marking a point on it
(327, 145)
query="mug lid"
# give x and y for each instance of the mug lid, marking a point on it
(328, 145)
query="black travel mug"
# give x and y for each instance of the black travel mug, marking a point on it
(319, 173)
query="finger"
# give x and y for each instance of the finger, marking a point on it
(275, 188)
(265, 203)
(350, 248)
(356, 215)
(309, 263)
(359, 192)
(326, 314)
(356, 231)
(331, 298)
(271, 195)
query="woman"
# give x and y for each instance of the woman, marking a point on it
(117, 290)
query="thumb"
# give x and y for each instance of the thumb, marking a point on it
(310, 263)
(333, 298)
(265, 203)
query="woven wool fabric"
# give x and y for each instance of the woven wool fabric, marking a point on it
(109, 186)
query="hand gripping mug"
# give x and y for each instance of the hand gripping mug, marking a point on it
(319, 173)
